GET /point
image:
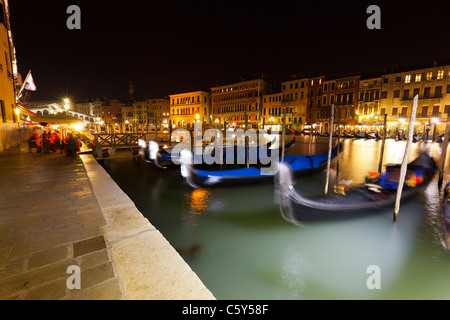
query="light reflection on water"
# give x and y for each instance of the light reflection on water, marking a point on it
(248, 251)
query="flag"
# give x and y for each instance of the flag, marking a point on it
(29, 83)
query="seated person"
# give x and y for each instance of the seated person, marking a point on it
(32, 142)
(72, 145)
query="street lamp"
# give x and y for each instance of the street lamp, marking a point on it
(17, 111)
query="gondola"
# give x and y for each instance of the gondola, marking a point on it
(165, 159)
(301, 165)
(352, 202)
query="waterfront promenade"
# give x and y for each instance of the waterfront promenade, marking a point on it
(56, 213)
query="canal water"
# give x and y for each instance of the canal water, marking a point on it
(241, 247)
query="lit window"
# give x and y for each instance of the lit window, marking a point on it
(440, 74)
(312, 82)
(408, 79)
(429, 75)
(418, 77)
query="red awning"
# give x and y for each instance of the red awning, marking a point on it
(26, 111)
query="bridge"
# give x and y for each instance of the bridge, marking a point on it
(55, 108)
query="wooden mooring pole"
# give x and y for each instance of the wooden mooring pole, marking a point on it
(283, 136)
(383, 142)
(404, 166)
(444, 151)
(310, 137)
(330, 147)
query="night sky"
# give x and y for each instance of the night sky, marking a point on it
(171, 47)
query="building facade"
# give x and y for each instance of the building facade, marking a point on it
(111, 111)
(369, 110)
(153, 112)
(7, 85)
(240, 103)
(272, 111)
(432, 86)
(315, 112)
(294, 102)
(188, 107)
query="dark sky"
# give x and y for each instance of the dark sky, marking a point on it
(172, 47)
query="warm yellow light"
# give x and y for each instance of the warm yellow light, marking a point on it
(66, 101)
(77, 126)
(66, 106)
(197, 116)
(17, 110)
(434, 120)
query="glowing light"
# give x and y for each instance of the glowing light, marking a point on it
(197, 116)
(77, 126)
(17, 110)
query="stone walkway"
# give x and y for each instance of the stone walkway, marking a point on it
(50, 220)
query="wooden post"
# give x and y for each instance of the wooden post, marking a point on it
(42, 140)
(246, 141)
(404, 166)
(330, 147)
(444, 151)
(380, 164)
(338, 143)
(283, 136)
(310, 138)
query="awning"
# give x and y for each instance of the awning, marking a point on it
(361, 124)
(58, 118)
(26, 111)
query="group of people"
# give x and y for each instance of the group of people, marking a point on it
(51, 142)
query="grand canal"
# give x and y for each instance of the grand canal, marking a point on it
(241, 247)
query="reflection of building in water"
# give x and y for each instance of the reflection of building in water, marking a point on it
(195, 203)
(199, 201)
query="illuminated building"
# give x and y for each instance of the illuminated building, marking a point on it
(432, 85)
(236, 101)
(153, 112)
(188, 107)
(8, 78)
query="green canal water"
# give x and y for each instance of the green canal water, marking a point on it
(240, 246)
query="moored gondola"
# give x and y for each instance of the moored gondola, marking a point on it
(165, 158)
(357, 201)
(301, 165)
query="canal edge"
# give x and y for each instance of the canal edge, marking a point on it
(147, 266)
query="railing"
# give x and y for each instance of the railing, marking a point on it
(122, 140)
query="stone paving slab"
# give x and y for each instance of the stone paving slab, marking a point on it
(47, 205)
(58, 212)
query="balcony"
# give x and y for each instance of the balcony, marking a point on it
(423, 97)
